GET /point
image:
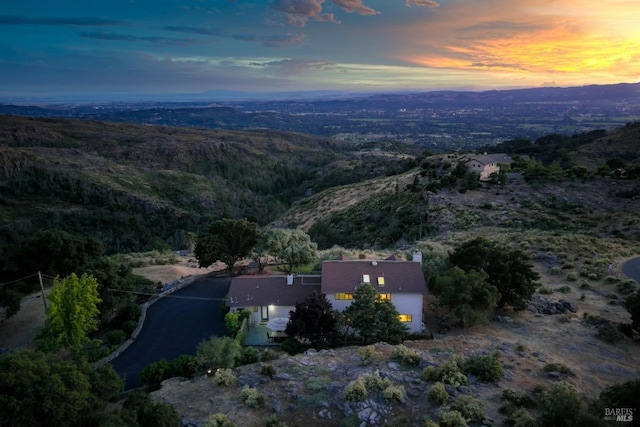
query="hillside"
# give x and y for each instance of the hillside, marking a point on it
(136, 186)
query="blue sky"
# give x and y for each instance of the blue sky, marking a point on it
(152, 47)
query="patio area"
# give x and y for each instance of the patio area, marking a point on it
(259, 335)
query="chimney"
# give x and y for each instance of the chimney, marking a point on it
(417, 256)
(289, 279)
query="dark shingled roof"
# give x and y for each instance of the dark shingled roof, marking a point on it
(399, 276)
(271, 290)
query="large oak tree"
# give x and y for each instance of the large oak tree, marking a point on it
(228, 240)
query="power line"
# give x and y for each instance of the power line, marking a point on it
(19, 280)
(166, 296)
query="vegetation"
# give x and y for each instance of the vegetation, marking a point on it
(228, 240)
(72, 313)
(313, 319)
(290, 248)
(218, 352)
(374, 320)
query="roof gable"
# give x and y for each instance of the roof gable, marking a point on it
(397, 276)
(271, 290)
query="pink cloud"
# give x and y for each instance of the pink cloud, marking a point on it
(428, 3)
(299, 12)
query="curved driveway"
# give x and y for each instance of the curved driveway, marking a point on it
(632, 269)
(174, 326)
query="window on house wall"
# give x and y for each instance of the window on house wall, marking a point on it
(381, 281)
(365, 278)
(343, 296)
(405, 318)
(383, 297)
(255, 308)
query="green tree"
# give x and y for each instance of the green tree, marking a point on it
(510, 272)
(218, 352)
(140, 409)
(228, 240)
(314, 320)
(72, 313)
(632, 304)
(466, 293)
(374, 319)
(38, 389)
(291, 248)
(56, 252)
(115, 284)
(11, 300)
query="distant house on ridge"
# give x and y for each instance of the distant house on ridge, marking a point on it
(487, 164)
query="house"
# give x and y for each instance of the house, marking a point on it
(401, 282)
(272, 296)
(487, 164)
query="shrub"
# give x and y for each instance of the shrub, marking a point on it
(394, 393)
(219, 420)
(291, 346)
(585, 286)
(153, 374)
(374, 382)
(268, 371)
(367, 354)
(116, 337)
(431, 373)
(252, 397)
(224, 377)
(521, 417)
(609, 333)
(272, 421)
(269, 354)
(452, 419)
(564, 289)
(249, 355)
(558, 404)
(571, 277)
(184, 366)
(558, 367)
(545, 290)
(471, 408)
(627, 287)
(486, 368)
(611, 280)
(556, 270)
(454, 378)
(437, 393)
(355, 391)
(406, 355)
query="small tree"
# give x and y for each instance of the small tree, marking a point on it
(228, 240)
(291, 248)
(375, 320)
(218, 352)
(466, 293)
(72, 313)
(314, 320)
(632, 304)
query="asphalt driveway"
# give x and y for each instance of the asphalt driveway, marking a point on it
(174, 326)
(632, 269)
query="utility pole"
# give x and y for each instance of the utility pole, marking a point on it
(44, 299)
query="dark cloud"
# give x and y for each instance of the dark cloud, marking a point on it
(272, 41)
(166, 41)
(427, 3)
(298, 12)
(204, 31)
(61, 22)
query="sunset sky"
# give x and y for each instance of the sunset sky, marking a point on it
(120, 47)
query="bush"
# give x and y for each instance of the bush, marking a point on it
(406, 355)
(585, 286)
(367, 354)
(558, 367)
(184, 366)
(355, 391)
(291, 346)
(522, 418)
(486, 368)
(394, 393)
(272, 421)
(224, 377)
(564, 289)
(116, 337)
(558, 404)
(269, 354)
(249, 355)
(374, 382)
(609, 333)
(455, 378)
(431, 373)
(437, 393)
(627, 287)
(571, 277)
(219, 420)
(252, 397)
(452, 419)
(545, 290)
(153, 374)
(471, 408)
(268, 371)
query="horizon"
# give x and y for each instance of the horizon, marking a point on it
(143, 49)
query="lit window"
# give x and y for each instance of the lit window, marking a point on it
(381, 281)
(365, 278)
(384, 297)
(405, 318)
(343, 296)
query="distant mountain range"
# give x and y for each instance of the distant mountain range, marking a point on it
(438, 120)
